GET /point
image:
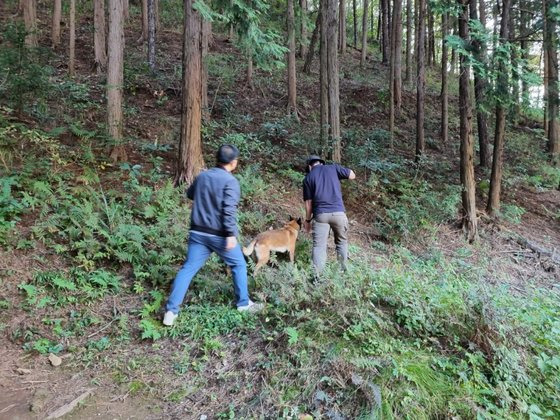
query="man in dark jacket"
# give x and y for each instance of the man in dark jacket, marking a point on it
(323, 205)
(216, 194)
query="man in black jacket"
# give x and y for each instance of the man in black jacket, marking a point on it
(216, 194)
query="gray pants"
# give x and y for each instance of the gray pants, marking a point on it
(322, 224)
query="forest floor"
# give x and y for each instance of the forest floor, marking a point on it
(340, 350)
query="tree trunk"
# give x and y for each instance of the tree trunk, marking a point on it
(467, 144)
(395, 82)
(551, 49)
(324, 81)
(444, 133)
(480, 90)
(30, 21)
(312, 44)
(191, 161)
(332, 76)
(502, 88)
(524, 45)
(384, 31)
(56, 18)
(99, 41)
(115, 79)
(364, 34)
(421, 79)
(152, 35)
(72, 46)
(355, 21)
(515, 105)
(453, 65)
(206, 38)
(145, 23)
(303, 38)
(342, 28)
(431, 39)
(408, 74)
(291, 59)
(250, 71)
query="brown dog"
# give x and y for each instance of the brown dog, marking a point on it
(279, 240)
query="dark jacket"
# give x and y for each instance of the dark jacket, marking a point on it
(216, 194)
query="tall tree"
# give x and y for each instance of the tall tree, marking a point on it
(342, 28)
(332, 76)
(524, 45)
(312, 45)
(395, 82)
(479, 49)
(191, 160)
(467, 144)
(206, 40)
(291, 59)
(72, 46)
(99, 41)
(551, 49)
(515, 108)
(115, 79)
(408, 63)
(420, 78)
(502, 89)
(152, 34)
(56, 18)
(364, 34)
(30, 21)
(384, 31)
(323, 78)
(431, 38)
(144, 35)
(355, 22)
(444, 133)
(303, 29)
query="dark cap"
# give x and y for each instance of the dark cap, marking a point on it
(311, 159)
(227, 153)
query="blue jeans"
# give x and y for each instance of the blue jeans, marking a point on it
(199, 249)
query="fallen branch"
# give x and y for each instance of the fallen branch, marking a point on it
(553, 255)
(67, 408)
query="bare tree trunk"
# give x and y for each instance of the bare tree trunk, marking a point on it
(551, 49)
(514, 109)
(467, 144)
(364, 34)
(421, 79)
(395, 66)
(342, 27)
(152, 35)
(291, 59)
(493, 206)
(72, 46)
(144, 34)
(30, 21)
(313, 43)
(56, 18)
(115, 79)
(355, 21)
(453, 65)
(384, 31)
(191, 161)
(431, 39)
(444, 134)
(206, 38)
(303, 38)
(332, 75)
(524, 44)
(99, 41)
(324, 81)
(479, 90)
(250, 72)
(408, 71)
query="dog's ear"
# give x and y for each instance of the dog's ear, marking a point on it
(290, 219)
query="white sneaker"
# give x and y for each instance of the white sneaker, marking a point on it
(169, 318)
(251, 307)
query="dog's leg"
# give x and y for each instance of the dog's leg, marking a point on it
(292, 253)
(263, 255)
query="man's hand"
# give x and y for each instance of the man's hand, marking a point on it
(231, 242)
(307, 226)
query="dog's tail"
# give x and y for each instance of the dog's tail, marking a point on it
(248, 250)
